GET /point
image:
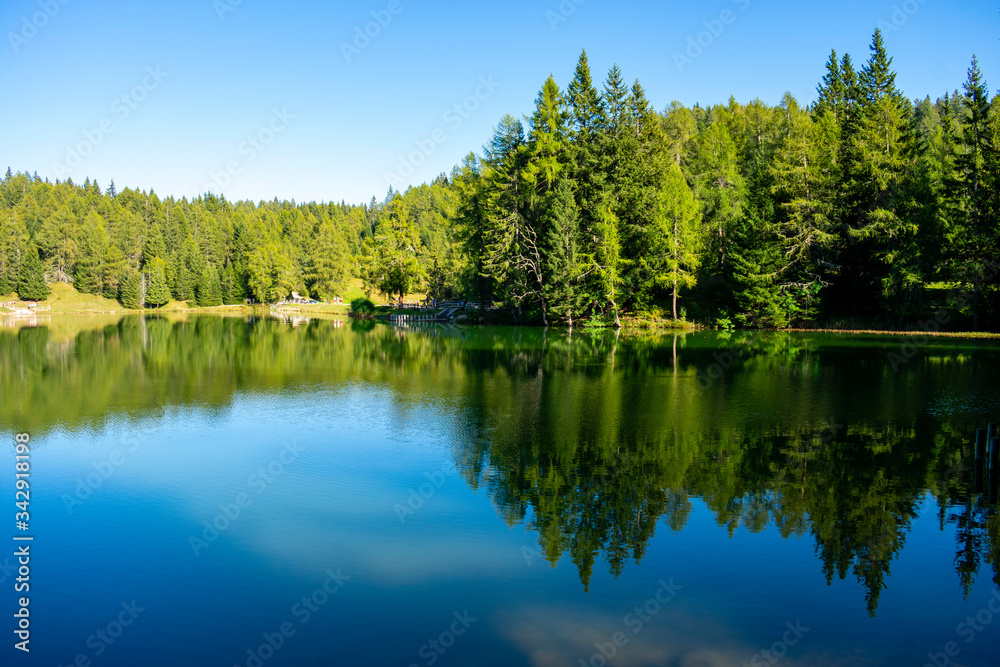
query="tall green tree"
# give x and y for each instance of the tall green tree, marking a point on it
(971, 189)
(31, 284)
(130, 289)
(389, 262)
(209, 290)
(676, 244)
(331, 262)
(157, 292)
(878, 266)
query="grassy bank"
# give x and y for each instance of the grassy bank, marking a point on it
(65, 299)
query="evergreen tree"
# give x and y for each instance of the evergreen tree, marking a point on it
(13, 244)
(57, 240)
(154, 245)
(970, 191)
(209, 291)
(802, 179)
(547, 139)
(675, 245)
(331, 267)
(513, 246)
(562, 265)
(232, 289)
(31, 281)
(130, 289)
(157, 293)
(472, 221)
(89, 272)
(878, 268)
(389, 261)
(645, 154)
(832, 92)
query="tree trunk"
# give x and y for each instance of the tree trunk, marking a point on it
(675, 299)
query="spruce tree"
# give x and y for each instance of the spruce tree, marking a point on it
(209, 290)
(878, 266)
(130, 289)
(157, 293)
(676, 245)
(562, 262)
(31, 281)
(972, 191)
(832, 93)
(232, 290)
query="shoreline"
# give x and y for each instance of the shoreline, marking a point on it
(344, 310)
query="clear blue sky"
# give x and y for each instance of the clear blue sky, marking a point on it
(164, 94)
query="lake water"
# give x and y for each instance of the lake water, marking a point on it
(258, 492)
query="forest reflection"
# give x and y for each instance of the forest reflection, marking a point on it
(594, 439)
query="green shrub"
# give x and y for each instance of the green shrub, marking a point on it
(362, 306)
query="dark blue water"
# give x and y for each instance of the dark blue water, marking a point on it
(223, 492)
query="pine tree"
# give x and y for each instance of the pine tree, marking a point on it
(675, 245)
(130, 289)
(389, 263)
(513, 257)
(89, 272)
(971, 191)
(13, 242)
(588, 122)
(644, 164)
(232, 289)
(157, 294)
(209, 290)
(57, 239)
(878, 262)
(832, 93)
(472, 221)
(31, 281)
(720, 189)
(562, 262)
(154, 245)
(547, 139)
(802, 176)
(755, 258)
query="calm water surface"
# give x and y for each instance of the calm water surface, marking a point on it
(225, 491)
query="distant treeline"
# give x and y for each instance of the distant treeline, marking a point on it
(863, 207)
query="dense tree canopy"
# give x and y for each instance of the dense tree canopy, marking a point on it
(862, 208)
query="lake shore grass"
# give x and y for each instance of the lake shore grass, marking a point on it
(65, 299)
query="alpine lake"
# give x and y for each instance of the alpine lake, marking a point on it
(256, 491)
